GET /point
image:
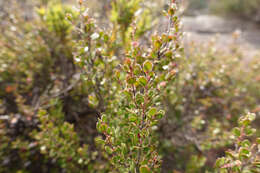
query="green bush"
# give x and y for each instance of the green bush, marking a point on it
(203, 104)
(77, 96)
(39, 66)
(36, 66)
(245, 156)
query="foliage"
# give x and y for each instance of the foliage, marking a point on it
(129, 133)
(123, 13)
(79, 95)
(58, 140)
(245, 156)
(47, 71)
(36, 66)
(134, 82)
(204, 101)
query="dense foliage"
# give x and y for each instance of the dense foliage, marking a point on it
(245, 157)
(81, 92)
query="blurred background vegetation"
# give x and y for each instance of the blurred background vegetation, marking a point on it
(236, 8)
(38, 71)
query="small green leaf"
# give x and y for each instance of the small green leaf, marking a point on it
(106, 38)
(256, 163)
(160, 114)
(99, 141)
(220, 162)
(139, 98)
(127, 94)
(124, 148)
(103, 127)
(130, 80)
(157, 44)
(244, 151)
(258, 140)
(245, 143)
(148, 66)
(236, 132)
(231, 154)
(108, 150)
(145, 169)
(132, 118)
(151, 74)
(142, 80)
(244, 121)
(94, 36)
(98, 126)
(137, 70)
(169, 54)
(152, 112)
(171, 11)
(250, 131)
(92, 100)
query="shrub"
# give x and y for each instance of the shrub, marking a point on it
(203, 104)
(132, 90)
(77, 96)
(129, 133)
(245, 156)
(58, 140)
(46, 70)
(36, 66)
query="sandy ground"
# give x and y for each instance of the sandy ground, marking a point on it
(202, 28)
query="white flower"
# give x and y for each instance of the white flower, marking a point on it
(80, 161)
(216, 131)
(94, 36)
(77, 59)
(13, 28)
(165, 67)
(43, 148)
(86, 49)
(188, 76)
(202, 87)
